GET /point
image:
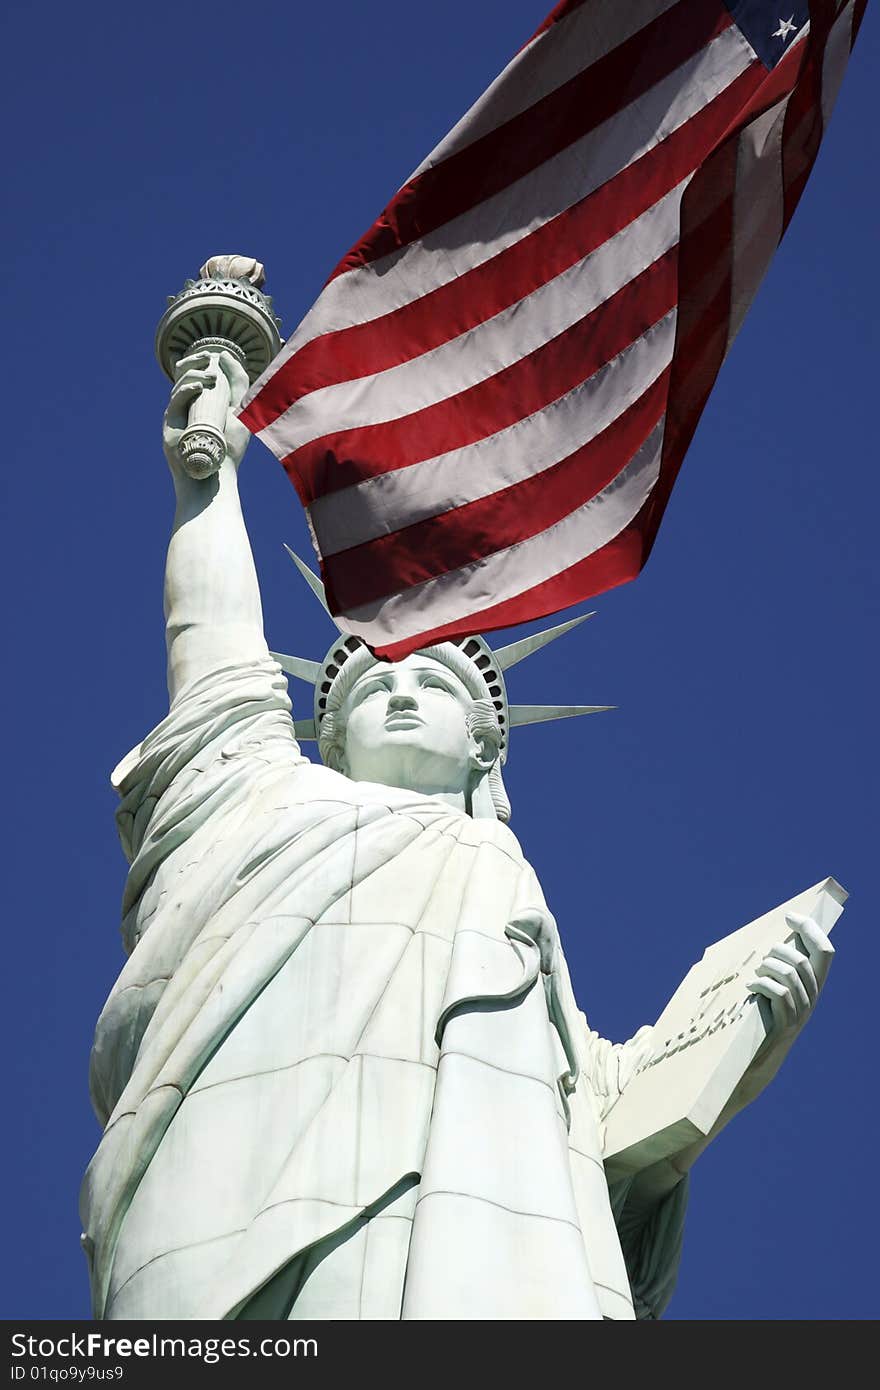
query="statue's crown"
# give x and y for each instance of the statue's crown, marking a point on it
(489, 667)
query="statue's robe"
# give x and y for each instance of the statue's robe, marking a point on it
(342, 1072)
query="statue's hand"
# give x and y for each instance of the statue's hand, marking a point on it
(790, 978)
(788, 982)
(791, 975)
(195, 374)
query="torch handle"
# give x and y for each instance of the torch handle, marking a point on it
(202, 445)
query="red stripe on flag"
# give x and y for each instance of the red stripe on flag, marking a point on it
(776, 85)
(703, 321)
(705, 277)
(443, 543)
(701, 338)
(623, 558)
(615, 563)
(705, 283)
(496, 160)
(704, 313)
(349, 456)
(757, 99)
(349, 354)
(801, 138)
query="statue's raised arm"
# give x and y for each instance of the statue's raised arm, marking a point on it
(213, 614)
(214, 339)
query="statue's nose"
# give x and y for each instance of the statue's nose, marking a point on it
(401, 700)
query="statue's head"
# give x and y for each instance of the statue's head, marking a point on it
(437, 722)
(428, 723)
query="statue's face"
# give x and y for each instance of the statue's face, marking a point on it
(406, 726)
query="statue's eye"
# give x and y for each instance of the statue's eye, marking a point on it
(376, 687)
(437, 683)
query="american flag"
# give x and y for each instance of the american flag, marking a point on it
(486, 409)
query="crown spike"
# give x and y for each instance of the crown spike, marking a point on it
(540, 714)
(298, 666)
(518, 651)
(311, 579)
(305, 728)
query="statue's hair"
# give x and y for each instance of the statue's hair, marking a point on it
(482, 718)
(482, 723)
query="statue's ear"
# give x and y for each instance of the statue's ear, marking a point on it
(484, 751)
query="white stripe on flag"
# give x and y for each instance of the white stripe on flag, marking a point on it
(473, 357)
(476, 236)
(509, 572)
(568, 47)
(758, 209)
(391, 501)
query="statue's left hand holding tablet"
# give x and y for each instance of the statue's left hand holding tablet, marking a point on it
(788, 982)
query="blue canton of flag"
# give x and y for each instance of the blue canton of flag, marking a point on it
(770, 26)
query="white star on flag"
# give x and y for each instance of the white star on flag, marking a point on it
(786, 27)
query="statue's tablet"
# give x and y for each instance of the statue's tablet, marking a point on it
(706, 1037)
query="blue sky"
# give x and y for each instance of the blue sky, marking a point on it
(740, 766)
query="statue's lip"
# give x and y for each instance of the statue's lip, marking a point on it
(407, 720)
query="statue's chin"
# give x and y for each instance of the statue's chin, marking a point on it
(412, 769)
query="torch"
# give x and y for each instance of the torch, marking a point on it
(223, 311)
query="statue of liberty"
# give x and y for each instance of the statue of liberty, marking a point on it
(342, 1073)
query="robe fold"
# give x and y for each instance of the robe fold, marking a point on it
(342, 1072)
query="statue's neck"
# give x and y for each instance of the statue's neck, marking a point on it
(474, 801)
(456, 799)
